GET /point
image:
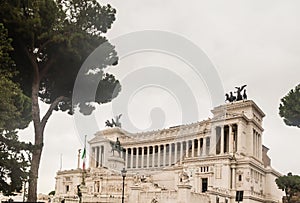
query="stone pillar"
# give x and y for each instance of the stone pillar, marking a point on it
(193, 148)
(165, 154)
(153, 156)
(184, 193)
(213, 144)
(198, 151)
(126, 158)
(239, 138)
(222, 140)
(258, 146)
(181, 152)
(92, 159)
(98, 156)
(233, 176)
(255, 144)
(142, 164)
(134, 196)
(170, 154)
(187, 146)
(137, 157)
(175, 152)
(230, 139)
(148, 155)
(158, 156)
(131, 157)
(204, 147)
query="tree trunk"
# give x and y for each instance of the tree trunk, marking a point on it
(38, 143)
(34, 170)
(39, 126)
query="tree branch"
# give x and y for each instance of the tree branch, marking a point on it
(32, 58)
(50, 110)
(46, 67)
(44, 45)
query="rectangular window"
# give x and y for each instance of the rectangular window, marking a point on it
(240, 177)
(67, 188)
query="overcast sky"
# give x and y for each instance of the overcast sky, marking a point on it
(248, 42)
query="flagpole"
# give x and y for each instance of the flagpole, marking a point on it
(83, 164)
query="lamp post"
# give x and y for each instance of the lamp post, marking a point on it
(123, 172)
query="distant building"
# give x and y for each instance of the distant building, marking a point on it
(212, 161)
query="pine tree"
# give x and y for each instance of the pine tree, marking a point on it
(289, 108)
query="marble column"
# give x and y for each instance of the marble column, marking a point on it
(193, 148)
(148, 155)
(175, 152)
(93, 159)
(143, 151)
(204, 147)
(231, 143)
(131, 157)
(198, 151)
(165, 154)
(137, 157)
(158, 157)
(222, 140)
(153, 156)
(213, 144)
(187, 146)
(233, 177)
(170, 154)
(181, 152)
(97, 156)
(126, 158)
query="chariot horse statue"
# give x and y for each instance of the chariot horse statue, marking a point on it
(113, 122)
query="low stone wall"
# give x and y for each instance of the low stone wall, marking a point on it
(197, 197)
(160, 196)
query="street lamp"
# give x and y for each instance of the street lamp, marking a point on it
(123, 172)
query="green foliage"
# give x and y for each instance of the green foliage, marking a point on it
(50, 40)
(290, 184)
(56, 37)
(289, 108)
(15, 114)
(14, 162)
(15, 107)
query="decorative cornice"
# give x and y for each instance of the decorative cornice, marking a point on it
(237, 105)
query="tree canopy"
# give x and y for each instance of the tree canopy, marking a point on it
(15, 110)
(290, 184)
(289, 108)
(51, 39)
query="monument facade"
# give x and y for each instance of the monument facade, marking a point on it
(219, 160)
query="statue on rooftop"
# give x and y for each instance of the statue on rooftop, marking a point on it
(231, 98)
(238, 92)
(114, 123)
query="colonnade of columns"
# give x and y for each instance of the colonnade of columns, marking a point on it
(223, 139)
(228, 139)
(98, 156)
(167, 154)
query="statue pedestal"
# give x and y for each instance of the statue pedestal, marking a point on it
(116, 163)
(184, 193)
(83, 189)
